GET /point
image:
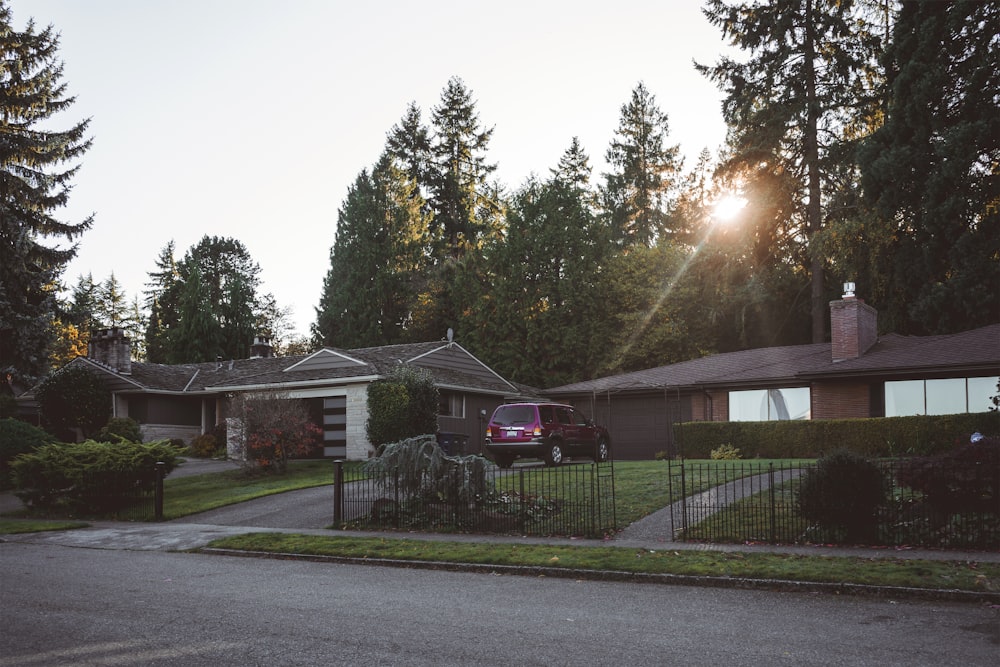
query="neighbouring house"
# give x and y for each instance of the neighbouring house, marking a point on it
(857, 374)
(185, 400)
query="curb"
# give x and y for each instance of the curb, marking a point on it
(774, 585)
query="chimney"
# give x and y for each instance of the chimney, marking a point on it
(261, 348)
(853, 326)
(112, 348)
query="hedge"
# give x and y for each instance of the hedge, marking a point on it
(79, 476)
(876, 437)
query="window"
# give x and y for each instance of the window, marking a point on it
(948, 396)
(758, 405)
(451, 404)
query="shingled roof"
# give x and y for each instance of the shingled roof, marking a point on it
(449, 363)
(966, 353)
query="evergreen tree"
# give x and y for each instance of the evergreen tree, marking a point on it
(794, 102)
(410, 145)
(210, 309)
(378, 252)
(539, 313)
(111, 304)
(931, 172)
(161, 288)
(637, 193)
(460, 197)
(198, 336)
(34, 183)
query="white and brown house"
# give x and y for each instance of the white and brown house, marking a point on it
(185, 400)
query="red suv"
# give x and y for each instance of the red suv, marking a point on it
(548, 431)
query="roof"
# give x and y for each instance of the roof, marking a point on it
(967, 353)
(449, 364)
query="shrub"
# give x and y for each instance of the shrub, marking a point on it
(17, 437)
(77, 477)
(274, 428)
(966, 479)
(844, 492)
(403, 405)
(725, 453)
(118, 429)
(419, 469)
(204, 446)
(73, 400)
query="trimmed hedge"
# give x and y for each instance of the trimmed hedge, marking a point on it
(876, 437)
(79, 476)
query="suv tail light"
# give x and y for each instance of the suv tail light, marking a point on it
(537, 432)
(489, 432)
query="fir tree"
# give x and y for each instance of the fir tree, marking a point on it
(638, 191)
(34, 183)
(793, 103)
(932, 172)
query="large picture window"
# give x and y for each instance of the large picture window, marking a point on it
(451, 404)
(947, 396)
(759, 405)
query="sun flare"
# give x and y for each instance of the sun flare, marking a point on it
(727, 208)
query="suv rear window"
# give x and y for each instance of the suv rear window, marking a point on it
(515, 414)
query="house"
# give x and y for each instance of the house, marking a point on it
(857, 374)
(185, 400)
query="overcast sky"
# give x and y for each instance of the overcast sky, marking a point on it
(250, 119)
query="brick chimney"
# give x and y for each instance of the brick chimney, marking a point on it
(853, 326)
(261, 348)
(112, 348)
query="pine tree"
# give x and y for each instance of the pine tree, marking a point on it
(111, 305)
(793, 103)
(931, 172)
(638, 191)
(34, 183)
(198, 337)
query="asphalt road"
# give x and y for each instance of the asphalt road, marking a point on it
(76, 606)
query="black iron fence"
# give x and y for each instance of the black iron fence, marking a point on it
(571, 500)
(920, 503)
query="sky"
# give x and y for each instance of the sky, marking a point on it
(250, 119)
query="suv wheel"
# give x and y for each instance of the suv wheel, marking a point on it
(601, 451)
(554, 453)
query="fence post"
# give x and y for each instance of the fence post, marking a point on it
(161, 472)
(521, 500)
(338, 492)
(770, 470)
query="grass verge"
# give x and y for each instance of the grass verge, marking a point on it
(14, 526)
(947, 575)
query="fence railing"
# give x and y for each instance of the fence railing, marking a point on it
(571, 500)
(941, 505)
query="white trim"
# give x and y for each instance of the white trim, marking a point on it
(288, 386)
(470, 355)
(324, 351)
(105, 369)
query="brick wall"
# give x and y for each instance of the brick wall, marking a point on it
(840, 400)
(853, 328)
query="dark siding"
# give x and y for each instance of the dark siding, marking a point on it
(177, 410)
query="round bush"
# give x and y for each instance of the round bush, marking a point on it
(71, 399)
(844, 492)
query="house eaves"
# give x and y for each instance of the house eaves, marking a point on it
(301, 384)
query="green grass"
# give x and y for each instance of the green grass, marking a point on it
(199, 493)
(13, 526)
(967, 576)
(643, 487)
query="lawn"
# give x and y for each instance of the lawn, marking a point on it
(199, 493)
